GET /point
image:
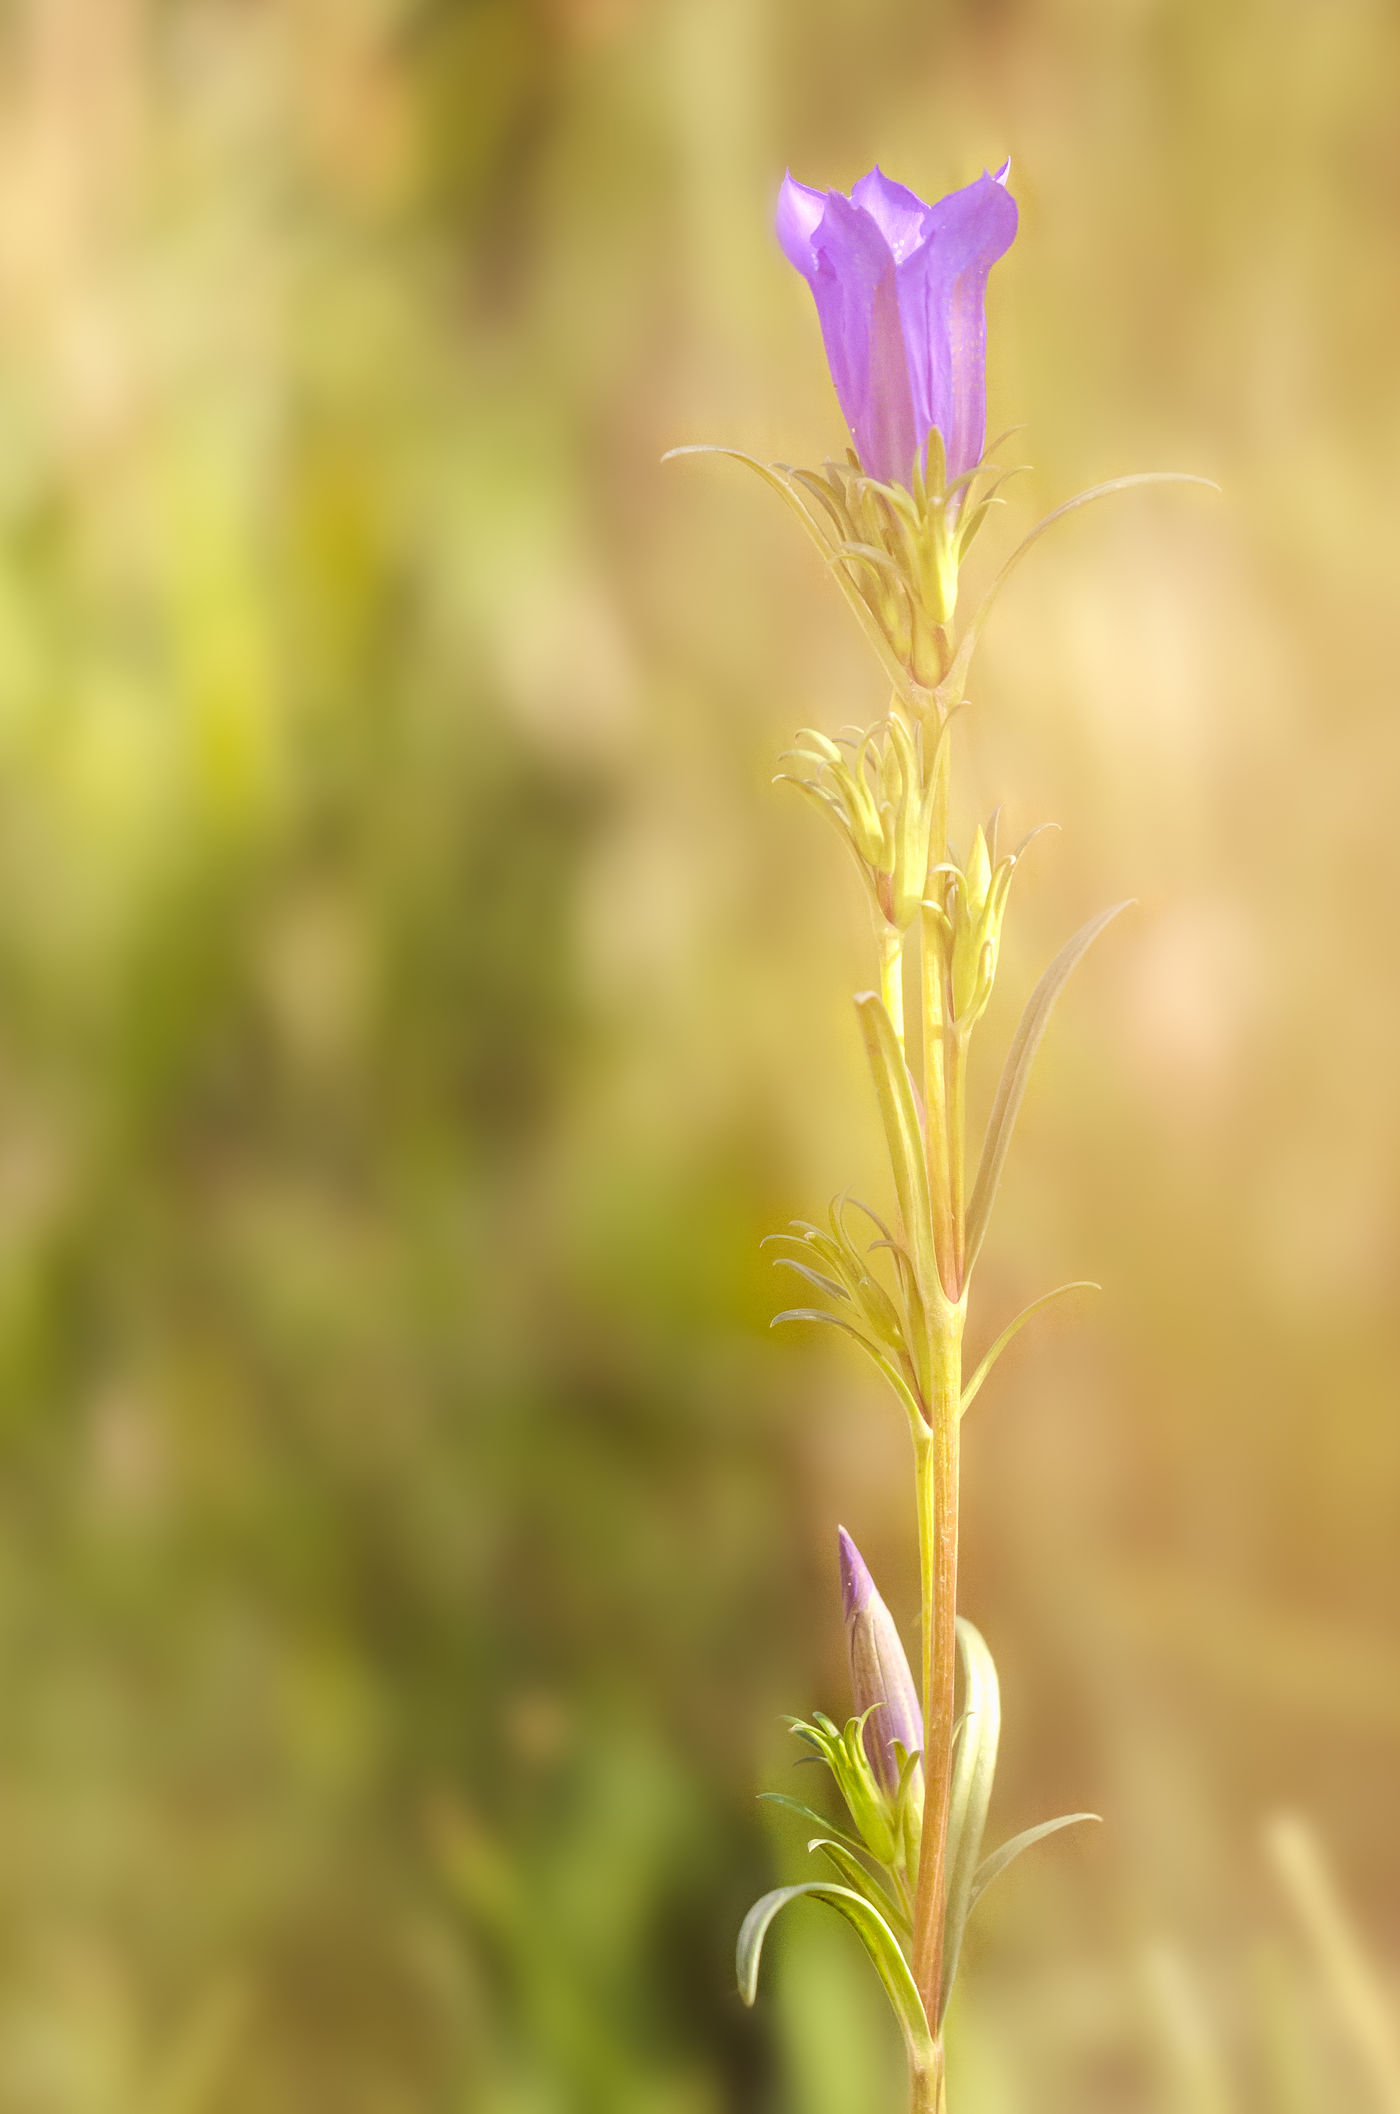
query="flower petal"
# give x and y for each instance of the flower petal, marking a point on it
(942, 298)
(897, 212)
(858, 302)
(800, 209)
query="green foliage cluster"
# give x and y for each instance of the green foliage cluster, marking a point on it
(325, 1783)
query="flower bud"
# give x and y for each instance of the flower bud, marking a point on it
(978, 873)
(968, 911)
(881, 1682)
(882, 798)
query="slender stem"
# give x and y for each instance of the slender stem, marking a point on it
(892, 976)
(936, 1447)
(940, 1178)
(936, 1477)
(942, 1093)
(956, 1072)
(926, 2086)
(938, 764)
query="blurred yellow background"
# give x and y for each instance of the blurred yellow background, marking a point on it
(415, 1005)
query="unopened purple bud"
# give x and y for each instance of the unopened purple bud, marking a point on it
(880, 1678)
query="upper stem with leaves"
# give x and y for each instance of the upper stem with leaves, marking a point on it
(895, 553)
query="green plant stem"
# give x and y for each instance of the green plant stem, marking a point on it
(936, 1451)
(936, 1480)
(936, 1052)
(892, 976)
(927, 2094)
(956, 1075)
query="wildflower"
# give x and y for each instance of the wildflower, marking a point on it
(900, 288)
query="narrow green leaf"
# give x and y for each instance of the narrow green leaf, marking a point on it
(870, 554)
(802, 1233)
(1006, 433)
(1080, 1284)
(823, 493)
(953, 682)
(875, 1935)
(817, 792)
(874, 1217)
(816, 1277)
(972, 522)
(873, 1349)
(992, 1867)
(970, 1792)
(999, 477)
(831, 1321)
(782, 485)
(1016, 1072)
(818, 744)
(859, 1876)
(903, 1131)
(829, 1829)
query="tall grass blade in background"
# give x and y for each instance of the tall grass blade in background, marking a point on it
(1365, 2009)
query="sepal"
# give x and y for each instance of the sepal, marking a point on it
(894, 550)
(870, 1806)
(909, 1811)
(905, 546)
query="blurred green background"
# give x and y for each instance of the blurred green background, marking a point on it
(415, 1006)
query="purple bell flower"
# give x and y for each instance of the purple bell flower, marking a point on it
(880, 1673)
(900, 288)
